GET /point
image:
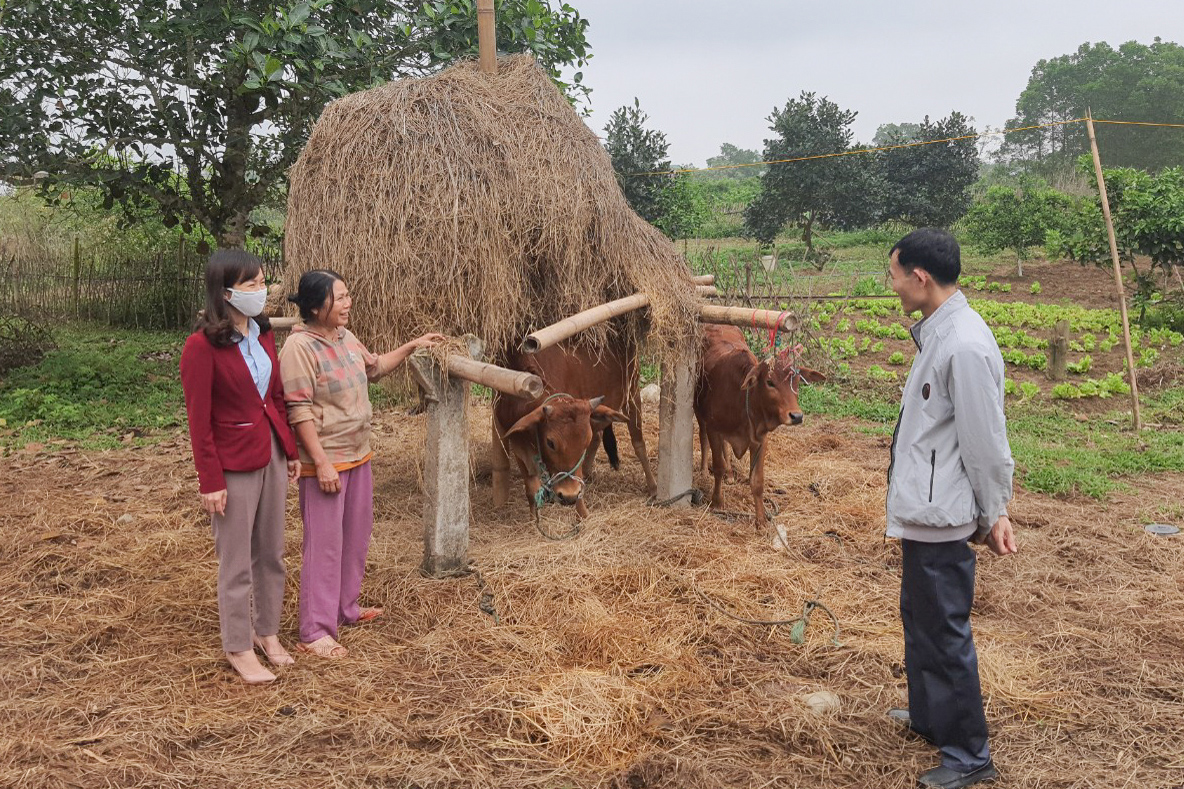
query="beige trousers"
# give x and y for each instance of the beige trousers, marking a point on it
(249, 542)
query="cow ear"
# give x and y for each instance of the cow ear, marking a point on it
(811, 376)
(528, 422)
(603, 416)
(754, 375)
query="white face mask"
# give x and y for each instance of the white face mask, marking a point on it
(248, 302)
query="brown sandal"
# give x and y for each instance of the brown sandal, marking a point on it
(325, 646)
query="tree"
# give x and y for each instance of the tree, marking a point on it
(837, 191)
(682, 207)
(928, 185)
(1017, 218)
(729, 157)
(1135, 82)
(639, 160)
(1148, 215)
(194, 111)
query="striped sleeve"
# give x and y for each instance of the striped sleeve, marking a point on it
(298, 369)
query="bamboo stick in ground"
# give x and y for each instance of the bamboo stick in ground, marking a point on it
(569, 327)
(748, 318)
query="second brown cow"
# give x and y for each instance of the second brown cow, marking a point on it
(739, 401)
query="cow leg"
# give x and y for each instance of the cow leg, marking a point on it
(590, 456)
(756, 479)
(500, 462)
(718, 467)
(635, 434)
(702, 446)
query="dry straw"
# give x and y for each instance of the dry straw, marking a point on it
(604, 668)
(473, 203)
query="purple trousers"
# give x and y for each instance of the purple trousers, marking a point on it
(337, 529)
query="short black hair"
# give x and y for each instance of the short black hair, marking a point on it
(932, 249)
(314, 291)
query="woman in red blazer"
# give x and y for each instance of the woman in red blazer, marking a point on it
(245, 455)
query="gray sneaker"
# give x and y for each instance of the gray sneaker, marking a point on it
(947, 778)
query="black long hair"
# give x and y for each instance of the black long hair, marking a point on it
(225, 269)
(314, 291)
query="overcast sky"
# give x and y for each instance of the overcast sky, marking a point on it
(709, 72)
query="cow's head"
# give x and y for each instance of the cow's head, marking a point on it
(771, 391)
(558, 433)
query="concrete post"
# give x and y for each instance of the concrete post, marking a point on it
(676, 433)
(445, 471)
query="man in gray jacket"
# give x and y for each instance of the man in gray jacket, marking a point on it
(949, 482)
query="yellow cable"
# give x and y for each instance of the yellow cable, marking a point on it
(902, 145)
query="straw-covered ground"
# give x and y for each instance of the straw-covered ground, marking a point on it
(605, 664)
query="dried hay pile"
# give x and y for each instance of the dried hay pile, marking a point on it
(605, 666)
(473, 203)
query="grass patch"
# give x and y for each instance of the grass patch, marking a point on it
(97, 387)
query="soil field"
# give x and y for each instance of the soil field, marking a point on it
(603, 660)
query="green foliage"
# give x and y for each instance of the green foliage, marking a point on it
(195, 111)
(878, 373)
(682, 207)
(1016, 218)
(928, 185)
(1081, 366)
(1029, 390)
(896, 358)
(670, 201)
(840, 191)
(736, 160)
(1148, 214)
(1035, 289)
(97, 386)
(1135, 82)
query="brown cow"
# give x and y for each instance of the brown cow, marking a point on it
(559, 433)
(739, 401)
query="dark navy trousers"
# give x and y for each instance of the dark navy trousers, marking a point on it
(945, 700)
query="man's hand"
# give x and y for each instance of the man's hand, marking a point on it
(1001, 540)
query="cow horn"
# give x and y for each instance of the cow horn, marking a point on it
(595, 401)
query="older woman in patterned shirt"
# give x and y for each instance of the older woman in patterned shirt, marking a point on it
(326, 372)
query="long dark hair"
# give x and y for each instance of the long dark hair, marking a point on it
(225, 269)
(314, 291)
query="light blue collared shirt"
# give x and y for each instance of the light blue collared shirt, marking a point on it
(258, 362)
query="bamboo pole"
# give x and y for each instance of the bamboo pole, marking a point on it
(511, 382)
(707, 291)
(703, 279)
(486, 37)
(748, 318)
(569, 327)
(1126, 327)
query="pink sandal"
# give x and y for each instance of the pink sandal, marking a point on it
(325, 646)
(368, 615)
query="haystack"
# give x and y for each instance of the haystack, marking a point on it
(473, 203)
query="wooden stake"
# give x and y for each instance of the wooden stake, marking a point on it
(1126, 327)
(486, 37)
(676, 433)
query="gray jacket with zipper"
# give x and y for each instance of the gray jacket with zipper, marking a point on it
(951, 470)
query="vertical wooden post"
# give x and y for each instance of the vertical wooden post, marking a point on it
(445, 470)
(486, 37)
(77, 274)
(676, 432)
(1126, 327)
(1058, 351)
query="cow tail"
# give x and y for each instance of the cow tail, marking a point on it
(610, 448)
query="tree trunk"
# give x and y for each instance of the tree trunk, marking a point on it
(808, 235)
(1019, 265)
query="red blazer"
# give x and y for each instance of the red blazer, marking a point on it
(230, 425)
